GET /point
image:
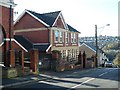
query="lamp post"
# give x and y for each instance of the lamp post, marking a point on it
(96, 42)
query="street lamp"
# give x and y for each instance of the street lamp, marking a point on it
(96, 41)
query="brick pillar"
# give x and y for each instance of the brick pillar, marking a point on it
(95, 58)
(55, 60)
(6, 58)
(21, 60)
(12, 58)
(81, 61)
(84, 59)
(34, 60)
(79, 58)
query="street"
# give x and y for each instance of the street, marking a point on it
(97, 78)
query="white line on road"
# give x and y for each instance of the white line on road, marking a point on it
(103, 74)
(81, 83)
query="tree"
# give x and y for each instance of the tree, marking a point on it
(116, 61)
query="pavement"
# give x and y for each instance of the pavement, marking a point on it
(44, 75)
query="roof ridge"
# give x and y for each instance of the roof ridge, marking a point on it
(51, 12)
(43, 13)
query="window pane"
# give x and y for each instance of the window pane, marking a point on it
(61, 37)
(56, 35)
(67, 37)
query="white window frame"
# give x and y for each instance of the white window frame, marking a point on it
(56, 36)
(61, 37)
(72, 37)
(75, 40)
(67, 37)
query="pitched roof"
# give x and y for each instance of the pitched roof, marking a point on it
(72, 29)
(24, 42)
(48, 18)
(42, 47)
(89, 45)
(28, 45)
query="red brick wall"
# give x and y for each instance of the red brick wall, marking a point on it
(4, 17)
(59, 23)
(16, 46)
(28, 22)
(36, 36)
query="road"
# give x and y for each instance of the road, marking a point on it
(98, 78)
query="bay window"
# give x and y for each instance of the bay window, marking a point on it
(75, 38)
(72, 37)
(61, 36)
(67, 37)
(56, 35)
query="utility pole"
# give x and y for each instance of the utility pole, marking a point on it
(10, 28)
(96, 42)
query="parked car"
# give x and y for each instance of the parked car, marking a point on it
(108, 64)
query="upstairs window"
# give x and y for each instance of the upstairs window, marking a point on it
(67, 37)
(75, 40)
(72, 37)
(61, 36)
(56, 35)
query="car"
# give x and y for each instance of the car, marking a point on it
(108, 64)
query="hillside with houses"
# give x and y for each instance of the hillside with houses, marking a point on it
(109, 44)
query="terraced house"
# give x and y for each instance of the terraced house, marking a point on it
(47, 32)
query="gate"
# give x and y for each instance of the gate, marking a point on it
(27, 59)
(45, 61)
(18, 58)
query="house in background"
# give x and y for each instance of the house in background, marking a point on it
(47, 32)
(90, 51)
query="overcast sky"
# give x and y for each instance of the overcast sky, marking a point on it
(80, 14)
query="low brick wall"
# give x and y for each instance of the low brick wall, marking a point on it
(10, 72)
(14, 72)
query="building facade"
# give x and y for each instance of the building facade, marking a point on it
(90, 51)
(48, 32)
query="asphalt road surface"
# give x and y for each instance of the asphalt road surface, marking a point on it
(103, 78)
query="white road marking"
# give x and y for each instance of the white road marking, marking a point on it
(88, 80)
(81, 83)
(103, 74)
